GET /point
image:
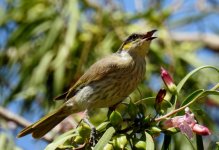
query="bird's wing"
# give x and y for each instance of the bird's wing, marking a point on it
(96, 72)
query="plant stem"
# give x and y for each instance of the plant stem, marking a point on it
(181, 108)
(166, 142)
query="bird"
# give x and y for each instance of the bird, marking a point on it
(105, 84)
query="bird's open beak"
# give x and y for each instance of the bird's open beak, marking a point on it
(149, 35)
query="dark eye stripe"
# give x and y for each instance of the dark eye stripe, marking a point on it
(132, 38)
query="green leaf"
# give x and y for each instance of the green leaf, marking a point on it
(147, 101)
(210, 92)
(149, 142)
(217, 143)
(183, 81)
(192, 97)
(105, 138)
(40, 72)
(197, 94)
(132, 109)
(70, 132)
(102, 126)
(59, 141)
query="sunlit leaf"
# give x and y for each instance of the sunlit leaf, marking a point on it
(105, 138)
(149, 142)
(59, 141)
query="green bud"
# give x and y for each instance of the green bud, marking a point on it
(119, 142)
(79, 139)
(108, 147)
(155, 130)
(122, 141)
(140, 145)
(115, 118)
(171, 130)
(84, 130)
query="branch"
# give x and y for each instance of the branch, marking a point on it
(9, 116)
(210, 40)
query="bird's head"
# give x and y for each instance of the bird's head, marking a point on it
(138, 43)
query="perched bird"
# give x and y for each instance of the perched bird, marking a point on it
(105, 84)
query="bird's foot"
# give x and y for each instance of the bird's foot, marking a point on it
(93, 134)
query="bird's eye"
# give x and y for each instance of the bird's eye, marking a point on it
(132, 38)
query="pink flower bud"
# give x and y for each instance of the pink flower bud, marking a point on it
(201, 130)
(160, 96)
(168, 80)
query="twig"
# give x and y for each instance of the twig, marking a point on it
(210, 40)
(9, 116)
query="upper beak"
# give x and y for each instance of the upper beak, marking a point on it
(148, 36)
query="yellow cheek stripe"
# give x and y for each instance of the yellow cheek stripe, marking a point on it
(127, 46)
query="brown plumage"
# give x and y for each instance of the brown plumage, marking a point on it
(106, 83)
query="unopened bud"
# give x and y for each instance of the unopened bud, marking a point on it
(79, 139)
(122, 141)
(108, 147)
(84, 130)
(140, 145)
(155, 130)
(115, 118)
(168, 80)
(171, 130)
(160, 96)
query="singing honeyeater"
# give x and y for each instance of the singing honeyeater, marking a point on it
(106, 83)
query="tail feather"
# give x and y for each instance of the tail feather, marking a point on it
(45, 124)
(45, 128)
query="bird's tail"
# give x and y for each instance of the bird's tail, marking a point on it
(45, 124)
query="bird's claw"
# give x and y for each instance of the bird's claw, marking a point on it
(93, 135)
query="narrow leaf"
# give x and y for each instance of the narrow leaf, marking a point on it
(70, 132)
(183, 81)
(58, 142)
(197, 94)
(149, 142)
(210, 92)
(102, 126)
(193, 97)
(105, 138)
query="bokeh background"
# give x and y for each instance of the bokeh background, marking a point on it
(46, 45)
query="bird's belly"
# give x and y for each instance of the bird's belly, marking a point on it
(96, 96)
(106, 93)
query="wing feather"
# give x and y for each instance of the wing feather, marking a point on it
(97, 72)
